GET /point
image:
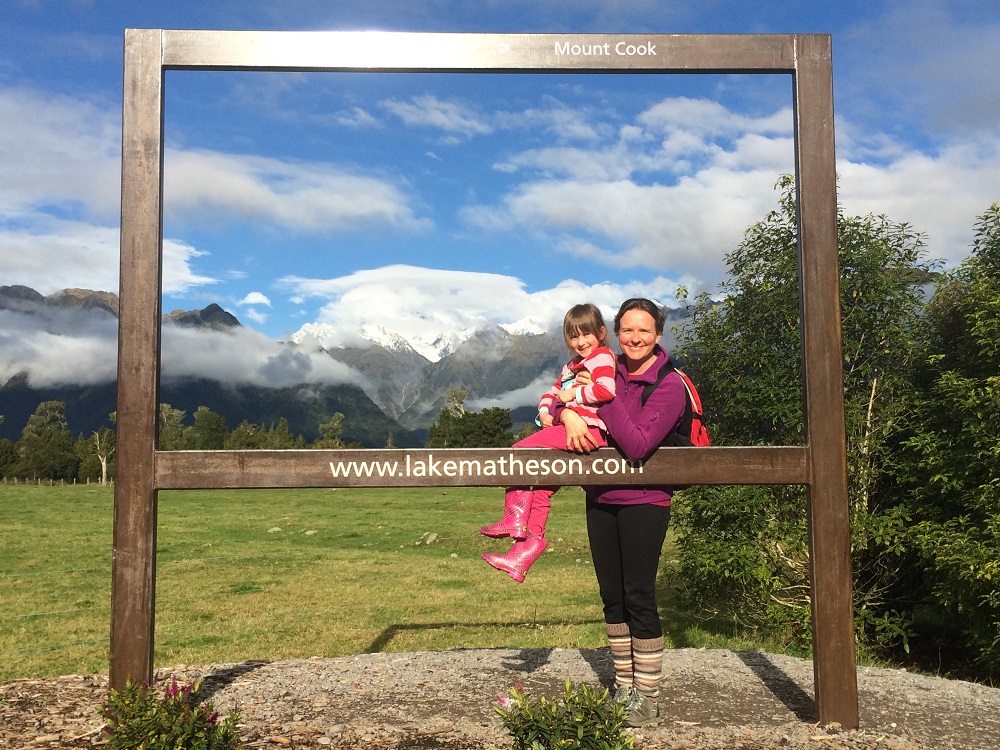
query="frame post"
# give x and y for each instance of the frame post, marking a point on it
(133, 567)
(834, 664)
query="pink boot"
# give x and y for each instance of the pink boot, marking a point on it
(516, 506)
(521, 556)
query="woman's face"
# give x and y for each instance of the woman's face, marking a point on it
(637, 335)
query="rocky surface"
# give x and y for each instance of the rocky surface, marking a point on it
(711, 699)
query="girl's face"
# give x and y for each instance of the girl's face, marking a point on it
(582, 344)
(637, 335)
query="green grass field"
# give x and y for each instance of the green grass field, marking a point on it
(261, 574)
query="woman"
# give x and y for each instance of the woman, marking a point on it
(627, 524)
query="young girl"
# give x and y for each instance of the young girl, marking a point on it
(526, 509)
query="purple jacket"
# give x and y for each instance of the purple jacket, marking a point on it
(637, 430)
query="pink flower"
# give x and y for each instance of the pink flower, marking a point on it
(173, 689)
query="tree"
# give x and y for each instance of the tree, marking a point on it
(45, 450)
(95, 454)
(8, 457)
(279, 437)
(174, 435)
(103, 447)
(330, 432)
(744, 550)
(443, 432)
(210, 430)
(947, 465)
(459, 428)
(246, 436)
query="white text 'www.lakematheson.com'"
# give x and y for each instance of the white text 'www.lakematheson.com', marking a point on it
(509, 465)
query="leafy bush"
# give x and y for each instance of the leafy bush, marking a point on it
(138, 718)
(946, 465)
(744, 550)
(585, 720)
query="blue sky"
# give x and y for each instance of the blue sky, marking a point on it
(431, 203)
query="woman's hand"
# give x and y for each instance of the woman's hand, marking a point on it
(578, 437)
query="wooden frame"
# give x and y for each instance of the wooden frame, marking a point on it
(142, 470)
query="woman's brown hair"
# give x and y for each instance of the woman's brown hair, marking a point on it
(647, 306)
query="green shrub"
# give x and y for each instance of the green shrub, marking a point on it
(586, 719)
(138, 719)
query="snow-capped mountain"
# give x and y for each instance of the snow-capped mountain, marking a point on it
(409, 376)
(526, 327)
(432, 347)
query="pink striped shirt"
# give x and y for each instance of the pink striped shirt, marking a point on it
(600, 363)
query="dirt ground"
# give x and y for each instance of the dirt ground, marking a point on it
(711, 699)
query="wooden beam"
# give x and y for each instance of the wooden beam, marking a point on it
(492, 467)
(834, 658)
(133, 566)
(447, 52)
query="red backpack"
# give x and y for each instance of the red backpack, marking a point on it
(691, 430)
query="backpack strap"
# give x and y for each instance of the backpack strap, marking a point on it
(680, 435)
(667, 368)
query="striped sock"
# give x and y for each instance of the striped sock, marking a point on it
(647, 653)
(621, 651)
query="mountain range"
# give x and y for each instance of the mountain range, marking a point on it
(400, 393)
(389, 386)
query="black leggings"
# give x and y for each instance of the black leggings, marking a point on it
(625, 544)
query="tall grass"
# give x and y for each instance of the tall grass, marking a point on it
(260, 574)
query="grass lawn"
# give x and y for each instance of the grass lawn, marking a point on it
(264, 574)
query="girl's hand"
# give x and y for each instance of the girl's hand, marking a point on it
(583, 378)
(578, 437)
(545, 418)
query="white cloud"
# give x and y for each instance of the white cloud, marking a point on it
(713, 173)
(710, 118)
(178, 276)
(428, 111)
(357, 118)
(684, 228)
(423, 304)
(676, 190)
(419, 303)
(940, 195)
(58, 154)
(555, 118)
(60, 169)
(255, 298)
(526, 396)
(313, 197)
(242, 355)
(50, 254)
(42, 344)
(256, 316)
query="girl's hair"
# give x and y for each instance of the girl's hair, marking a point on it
(585, 318)
(641, 303)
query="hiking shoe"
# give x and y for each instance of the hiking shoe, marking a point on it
(642, 711)
(625, 694)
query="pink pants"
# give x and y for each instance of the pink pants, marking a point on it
(548, 437)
